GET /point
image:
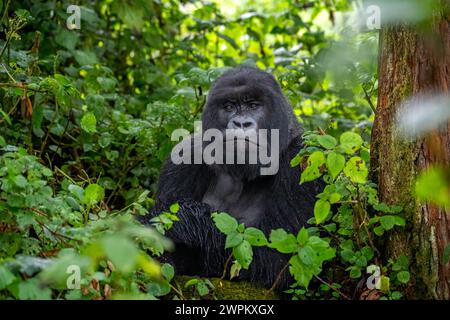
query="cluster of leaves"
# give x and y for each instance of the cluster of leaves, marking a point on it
(348, 217)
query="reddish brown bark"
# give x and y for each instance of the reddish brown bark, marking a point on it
(411, 63)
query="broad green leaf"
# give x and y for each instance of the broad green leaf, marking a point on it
(20, 181)
(300, 272)
(327, 141)
(302, 236)
(387, 222)
(403, 276)
(312, 171)
(202, 288)
(255, 237)
(167, 271)
(85, 57)
(224, 222)
(32, 289)
(243, 254)
(89, 123)
(321, 210)
(356, 170)
(6, 277)
(93, 194)
(350, 142)
(282, 241)
(335, 163)
(121, 251)
(306, 255)
(174, 208)
(158, 289)
(296, 160)
(233, 239)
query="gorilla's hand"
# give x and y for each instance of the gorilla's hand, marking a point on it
(198, 242)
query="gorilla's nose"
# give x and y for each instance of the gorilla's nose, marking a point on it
(243, 123)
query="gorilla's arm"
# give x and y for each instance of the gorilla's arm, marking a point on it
(197, 240)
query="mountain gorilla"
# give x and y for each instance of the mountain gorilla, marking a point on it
(247, 99)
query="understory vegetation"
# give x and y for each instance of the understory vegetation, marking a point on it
(86, 117)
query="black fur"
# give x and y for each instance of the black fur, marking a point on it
(286, 204)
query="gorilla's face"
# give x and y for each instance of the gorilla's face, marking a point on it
(242, 108)
(247, 100)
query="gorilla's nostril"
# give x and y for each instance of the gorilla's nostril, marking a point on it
(237, 124)
(248, 124)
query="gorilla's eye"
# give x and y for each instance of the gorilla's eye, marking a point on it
(228, 107)
(253, 105)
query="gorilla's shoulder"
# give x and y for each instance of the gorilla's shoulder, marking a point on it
(182, 181)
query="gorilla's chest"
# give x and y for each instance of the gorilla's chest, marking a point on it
(242, 200)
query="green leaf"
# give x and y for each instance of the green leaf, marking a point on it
(282, 241)
(89, 123)
(233, 239)
(243, 254)
(334, 197)
(355, 272)
(174, 208)
(379, 231)
(121, 251)
(306, 255)
(85, 57)
(387, 222)
(384, 283)
(327, 141)
(202, 288)
(255, 237)
(321, 210)
(351, 142)
(167, 271)
(6, 277)
(20, 181)
(224, 222)
(335, 163)
(403, 276)
(32, 289)
(296, 160)
(312, 171)
(302, 236)
(6, 117)
(93, 194)
(356, 170)
(77, 191)
(235, 270)
(191, 282)
(301, 274)
(158, 289)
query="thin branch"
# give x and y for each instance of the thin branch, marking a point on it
(277, 280)
(331, 287)
(225, 267)
(369, 100)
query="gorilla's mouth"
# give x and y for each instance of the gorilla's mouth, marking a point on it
(243, 139)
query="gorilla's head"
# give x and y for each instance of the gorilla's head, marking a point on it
(249, 99)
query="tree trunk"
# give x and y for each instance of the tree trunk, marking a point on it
(411, 63)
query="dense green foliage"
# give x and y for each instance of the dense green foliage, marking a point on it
(85, 123)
